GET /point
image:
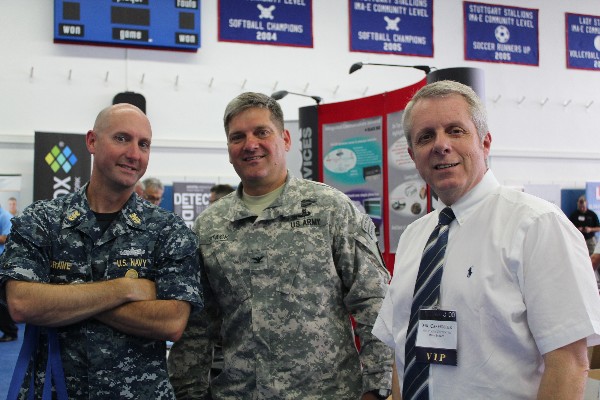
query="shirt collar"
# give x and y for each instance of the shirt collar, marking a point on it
(467, 204)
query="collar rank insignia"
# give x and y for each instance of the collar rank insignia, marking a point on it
(73, 216)
(135, 219)
(307, 202)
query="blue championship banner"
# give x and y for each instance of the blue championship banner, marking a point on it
(275, 22)
(392, 26)
(501, 34)
(583, 41)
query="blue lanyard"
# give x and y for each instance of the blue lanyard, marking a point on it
(54, 369)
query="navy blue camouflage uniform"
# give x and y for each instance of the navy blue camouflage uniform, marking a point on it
(60, 242)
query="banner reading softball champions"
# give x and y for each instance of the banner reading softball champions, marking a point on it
(275, 22)
(392, 26)
(501, 34)
(583, 41)
(190, 199)
(62, 164)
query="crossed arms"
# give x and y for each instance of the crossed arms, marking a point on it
(128, 305)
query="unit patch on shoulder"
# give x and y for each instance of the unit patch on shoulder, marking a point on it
(368, 226)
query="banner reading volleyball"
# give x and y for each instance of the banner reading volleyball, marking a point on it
(583, 41)
(62, 164)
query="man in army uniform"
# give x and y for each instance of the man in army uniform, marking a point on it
(115, 275)
(287, 261)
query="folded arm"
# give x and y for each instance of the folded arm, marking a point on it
(54, 305)
(155, 319)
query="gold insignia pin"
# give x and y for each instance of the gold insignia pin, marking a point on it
(131, 273)
(73, 215)
(135, 219)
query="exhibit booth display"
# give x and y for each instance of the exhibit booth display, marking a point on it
(361, 150)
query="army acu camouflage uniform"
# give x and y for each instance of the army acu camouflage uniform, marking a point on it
(284, 285)
(60, 242)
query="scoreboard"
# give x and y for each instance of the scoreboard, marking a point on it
(154, 24)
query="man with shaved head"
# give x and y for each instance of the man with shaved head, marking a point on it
(115, 276)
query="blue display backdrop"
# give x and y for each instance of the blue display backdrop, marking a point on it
(275, 22)
(583, 41)
(501, 34)
(404, 27)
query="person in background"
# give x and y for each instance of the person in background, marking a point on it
(512, 297)
(218, 191)
(587, 222)
(287, 262)
(9, 329)
(12, 206)
(115, 276)
(153, 190)
(139, 189)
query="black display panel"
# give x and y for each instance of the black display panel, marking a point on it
(154, 24)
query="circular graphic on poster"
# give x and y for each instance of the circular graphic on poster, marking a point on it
(353, 161)
(409, 199)
(398, 155)
(340, 160)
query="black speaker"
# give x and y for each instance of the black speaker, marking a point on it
(473, 77)
(136, 99)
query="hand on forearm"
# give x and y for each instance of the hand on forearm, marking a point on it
(48, 304)
(157, 319)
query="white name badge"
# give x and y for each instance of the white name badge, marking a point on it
(437, 337)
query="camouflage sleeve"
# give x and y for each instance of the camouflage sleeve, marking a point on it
(365, 279)
(178, 265)
(190, 358)
(26, 256)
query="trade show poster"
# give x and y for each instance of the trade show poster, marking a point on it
(407, 190)
(287, 23)
(501, 34)
(190, 199)
(353, 163)
(404, 27)
(62, 164)
(364, 154)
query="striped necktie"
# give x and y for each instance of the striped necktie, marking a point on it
(427, 290)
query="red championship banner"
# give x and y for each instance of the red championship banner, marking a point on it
(364, 154)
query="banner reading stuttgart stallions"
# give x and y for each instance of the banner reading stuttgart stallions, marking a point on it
(276, 22)
(62, 164)
(501, 34)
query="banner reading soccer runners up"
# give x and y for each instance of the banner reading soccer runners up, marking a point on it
(501, 34)
(583, 41)
(276, 22)
(392, 26)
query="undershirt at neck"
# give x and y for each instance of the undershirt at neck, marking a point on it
(105, 219)
(257, 204)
